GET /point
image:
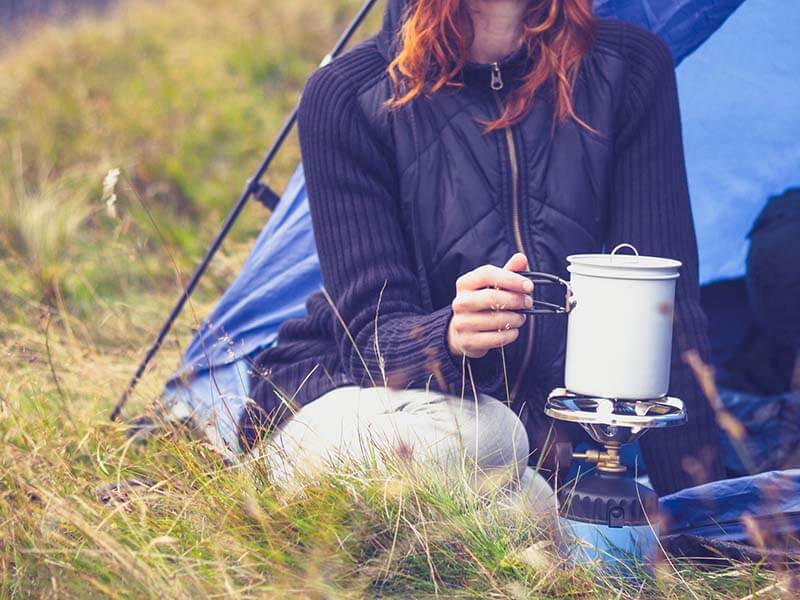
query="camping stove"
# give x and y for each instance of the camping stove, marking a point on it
(616, 372)
(605, 515)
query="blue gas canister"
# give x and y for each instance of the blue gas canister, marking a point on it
(609, 519)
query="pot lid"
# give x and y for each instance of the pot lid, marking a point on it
(624, 266)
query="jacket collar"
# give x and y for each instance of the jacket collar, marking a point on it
(513, 66)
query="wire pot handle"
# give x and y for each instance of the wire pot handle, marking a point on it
(620, 247)
(542, 307)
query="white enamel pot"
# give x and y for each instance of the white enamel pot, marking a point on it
(619, 334)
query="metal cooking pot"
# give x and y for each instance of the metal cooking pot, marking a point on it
(619, 334)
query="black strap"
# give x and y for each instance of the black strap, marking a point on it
(265, 195)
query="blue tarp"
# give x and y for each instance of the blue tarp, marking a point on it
(740, 105)
(754, 518)
(716, 509)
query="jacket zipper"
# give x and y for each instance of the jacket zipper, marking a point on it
(497, 85)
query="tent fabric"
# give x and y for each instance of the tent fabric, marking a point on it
(683, 24)
(281, 271)
(751, 518)
(715, 509)
(771, 426)
(739, 97)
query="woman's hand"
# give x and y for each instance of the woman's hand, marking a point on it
(482, 317)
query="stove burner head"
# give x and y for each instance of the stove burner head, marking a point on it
(614, 421)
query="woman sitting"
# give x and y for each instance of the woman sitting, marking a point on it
(467, 141)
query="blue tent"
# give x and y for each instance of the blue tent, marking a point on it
(740, 105)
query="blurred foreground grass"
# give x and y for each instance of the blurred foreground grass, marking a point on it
(183, 97)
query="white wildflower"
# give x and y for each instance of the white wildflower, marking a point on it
(110, 192)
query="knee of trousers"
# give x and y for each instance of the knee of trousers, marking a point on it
(502, 436)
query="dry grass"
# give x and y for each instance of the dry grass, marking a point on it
(86, 512)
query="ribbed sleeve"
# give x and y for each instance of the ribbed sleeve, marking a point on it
(384, 335)
(650, 208)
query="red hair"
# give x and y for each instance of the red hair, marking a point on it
(436, 36)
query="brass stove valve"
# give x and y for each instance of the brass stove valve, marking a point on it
(606, 460)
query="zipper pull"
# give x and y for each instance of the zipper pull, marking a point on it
(497, 79)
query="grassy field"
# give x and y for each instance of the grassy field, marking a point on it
(183, 96)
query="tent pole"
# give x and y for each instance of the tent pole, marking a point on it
(251, 187)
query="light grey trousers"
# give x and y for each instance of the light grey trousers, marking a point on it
(478, 437)
(474, 436)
